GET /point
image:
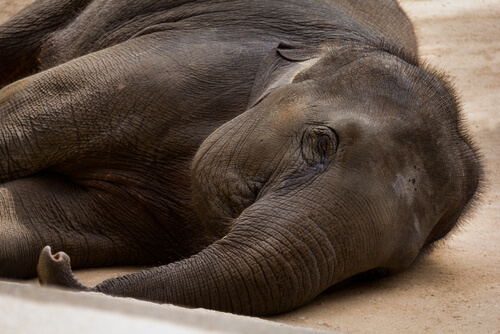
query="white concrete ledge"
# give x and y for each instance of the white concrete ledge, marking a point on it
(33, 309)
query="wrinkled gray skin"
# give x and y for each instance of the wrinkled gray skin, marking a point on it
(258, 151)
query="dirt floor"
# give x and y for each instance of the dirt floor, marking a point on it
(454, 289)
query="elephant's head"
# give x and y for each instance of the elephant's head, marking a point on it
(347, 160)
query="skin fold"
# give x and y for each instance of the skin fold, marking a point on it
(254, 152)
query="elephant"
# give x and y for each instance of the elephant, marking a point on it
(251, 153)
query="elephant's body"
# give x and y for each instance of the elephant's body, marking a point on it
(110, 107)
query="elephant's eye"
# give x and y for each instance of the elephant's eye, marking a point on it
(323, 148)
(319, 144)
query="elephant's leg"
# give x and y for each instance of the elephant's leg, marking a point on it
(84, 121)
(48, 209)
(92, 106)
(22, 36)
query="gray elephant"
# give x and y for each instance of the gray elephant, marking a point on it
(254, 152)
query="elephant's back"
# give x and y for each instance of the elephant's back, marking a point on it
(104, 23)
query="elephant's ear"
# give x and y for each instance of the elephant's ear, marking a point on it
(279, 67)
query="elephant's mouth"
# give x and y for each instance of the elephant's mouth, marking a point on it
(220, 201)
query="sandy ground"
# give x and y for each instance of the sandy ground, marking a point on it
(454, 289)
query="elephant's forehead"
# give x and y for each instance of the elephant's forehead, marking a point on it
(370, 113)
(391, 106)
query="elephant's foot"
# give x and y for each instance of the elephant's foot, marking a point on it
(56, 270)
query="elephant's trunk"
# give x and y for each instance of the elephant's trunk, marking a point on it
(266, 265)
